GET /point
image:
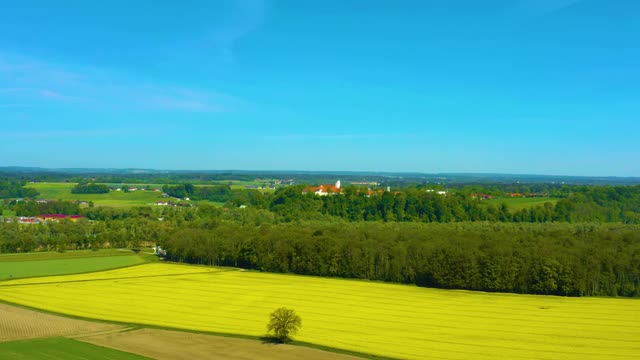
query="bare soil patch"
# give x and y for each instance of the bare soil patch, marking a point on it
(17, 323)
(177, 345)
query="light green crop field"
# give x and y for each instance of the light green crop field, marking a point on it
(6, 212)
(263, 190)
(139, 186)
(48, 255)
(242, 185)
(517, 204)
(389, 320)
(13, 267)
(62, 191)
(212, 203)
(60, 348)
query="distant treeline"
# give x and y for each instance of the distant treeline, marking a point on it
(396, 180)
(219, 193)
(577, 204)
(16, 189)
(605, 204)
(90, 188)
(34, 208)
(587, 203)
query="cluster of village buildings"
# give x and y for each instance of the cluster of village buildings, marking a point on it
(171, 203)
(47, 218)
(333, 189)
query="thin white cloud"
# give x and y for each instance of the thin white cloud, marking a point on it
(191, 100)
(13, 90)
(32, 81)
(245, 17)
(54, 95)
(43, 94)
(59, 133)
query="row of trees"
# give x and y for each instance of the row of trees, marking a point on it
(90, 188)
(586, 204)
(218, 193)
(34, 208)
(600, 204)
(16, 189)
(540, 258)
(583, 203)
(557, 259)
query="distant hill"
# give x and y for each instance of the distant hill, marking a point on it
(320, 176)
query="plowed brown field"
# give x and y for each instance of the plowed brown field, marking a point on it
(178, 345)
(17, 323)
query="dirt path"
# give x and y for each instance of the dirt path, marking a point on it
(17, 323)
(177, 345)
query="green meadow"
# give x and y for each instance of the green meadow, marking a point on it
(517, 204)
(30, 265)
(6, 212)
(61, 348)
(62, 191)
(49, 255)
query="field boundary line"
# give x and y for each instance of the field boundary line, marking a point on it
(131, 326)
(2, 281)
(108, 279)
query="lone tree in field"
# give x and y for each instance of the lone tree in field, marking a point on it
(284, 322)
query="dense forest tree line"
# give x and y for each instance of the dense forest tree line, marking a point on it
(586, 244)
(587, 259)
(16, 189)
(34, 208)
(556, 259)
(90, 188)
(217, 193)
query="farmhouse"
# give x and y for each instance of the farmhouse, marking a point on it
(324, 190)
(28, 220)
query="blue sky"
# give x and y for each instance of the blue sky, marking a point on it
(507, 86)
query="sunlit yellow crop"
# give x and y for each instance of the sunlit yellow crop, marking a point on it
(384, 319)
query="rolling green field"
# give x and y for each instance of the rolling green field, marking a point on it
(388, 320)
(48, 255)
(6, 212)
(62, 191)
(13, 266)
(517, 204)
(61, 348)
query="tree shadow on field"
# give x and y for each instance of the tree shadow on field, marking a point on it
(268, 339)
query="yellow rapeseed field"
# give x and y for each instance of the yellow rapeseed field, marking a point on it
(384, 319)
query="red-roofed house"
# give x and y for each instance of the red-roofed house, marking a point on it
(324, 190)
